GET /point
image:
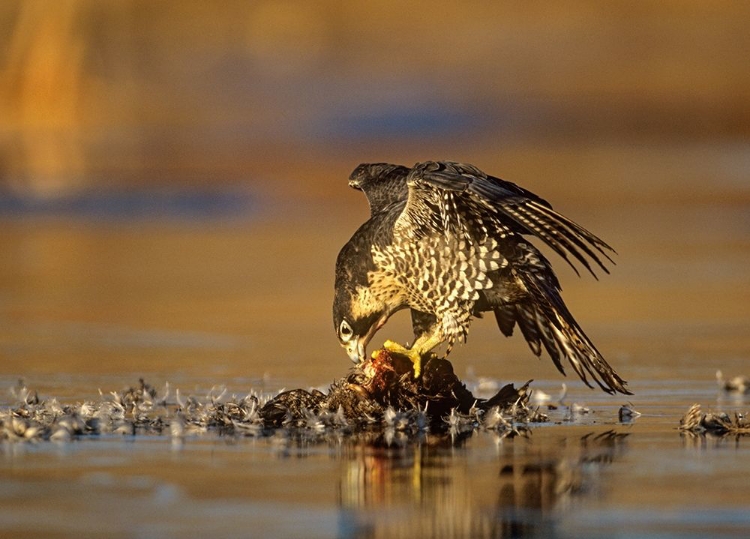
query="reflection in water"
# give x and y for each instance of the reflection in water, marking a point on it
(417, 490)
(705, 441)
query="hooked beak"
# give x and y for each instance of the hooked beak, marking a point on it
(357, 348)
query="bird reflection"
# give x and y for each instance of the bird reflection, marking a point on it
(438, 487)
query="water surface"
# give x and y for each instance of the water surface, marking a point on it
(90, 303)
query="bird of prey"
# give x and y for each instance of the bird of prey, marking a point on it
(450, 242)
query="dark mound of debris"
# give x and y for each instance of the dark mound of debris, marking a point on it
(382, 394)
(385, 386)
(696, 422)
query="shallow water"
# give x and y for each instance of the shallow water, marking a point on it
(581, 475)
(91, 303)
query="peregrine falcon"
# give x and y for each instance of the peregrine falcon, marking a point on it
(449, 242)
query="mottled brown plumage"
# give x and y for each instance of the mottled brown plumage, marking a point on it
(449, 242)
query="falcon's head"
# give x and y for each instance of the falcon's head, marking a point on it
(357, 313)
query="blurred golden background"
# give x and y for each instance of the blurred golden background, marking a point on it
(631, 117)
(102, 93)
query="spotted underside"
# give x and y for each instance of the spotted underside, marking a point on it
(447, 241)
(438, 266)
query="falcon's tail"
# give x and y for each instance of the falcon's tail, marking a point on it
(546, 322)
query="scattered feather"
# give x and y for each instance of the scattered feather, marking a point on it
(627, 413)
(380, 397)
(737, 384)
(696, 422)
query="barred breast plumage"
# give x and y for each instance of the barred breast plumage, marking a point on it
(448, 241)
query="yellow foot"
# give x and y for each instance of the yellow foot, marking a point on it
(414, 356)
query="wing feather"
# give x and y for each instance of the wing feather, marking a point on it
(552, 229)
(507, 206)
(506, 319)
(454, 198)
(562, 336)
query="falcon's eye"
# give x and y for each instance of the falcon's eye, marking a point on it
(345, 331)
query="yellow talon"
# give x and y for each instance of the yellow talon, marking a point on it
(414, 356)
(396, 348)
(417, 361)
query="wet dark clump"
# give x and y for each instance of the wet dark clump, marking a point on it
(385, 385)
(696, 422)
(380, 396)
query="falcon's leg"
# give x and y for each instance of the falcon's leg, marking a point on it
(426, 337)
(422, 323)
(418, 350)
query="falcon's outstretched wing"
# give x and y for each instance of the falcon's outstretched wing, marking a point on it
(487, 216)
(545, 321)
(499, 206)
(382, 183)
